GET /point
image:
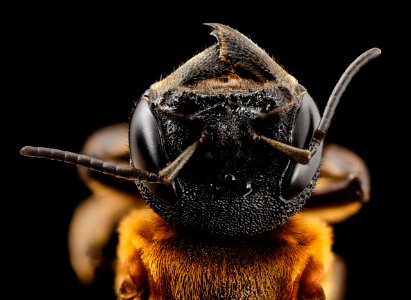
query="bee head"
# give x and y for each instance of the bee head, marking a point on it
(225, 100)
(228, 144)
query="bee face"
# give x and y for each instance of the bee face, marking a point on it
(229, 143)
(232, 185)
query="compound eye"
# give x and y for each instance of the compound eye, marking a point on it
(299, 176)
(145, 142)
(146, 147)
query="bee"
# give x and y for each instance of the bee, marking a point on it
(221, 186)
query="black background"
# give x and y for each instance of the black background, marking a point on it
(75, 69)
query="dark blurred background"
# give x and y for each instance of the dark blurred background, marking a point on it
(75, 69)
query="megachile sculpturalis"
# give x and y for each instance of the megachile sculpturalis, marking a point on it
(233, 189)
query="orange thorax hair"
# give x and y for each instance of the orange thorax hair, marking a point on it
(157, 260)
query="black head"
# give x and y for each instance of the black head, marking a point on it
(225, 97)
(228, 144)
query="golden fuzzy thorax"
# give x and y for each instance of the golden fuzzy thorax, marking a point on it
(157, 262)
